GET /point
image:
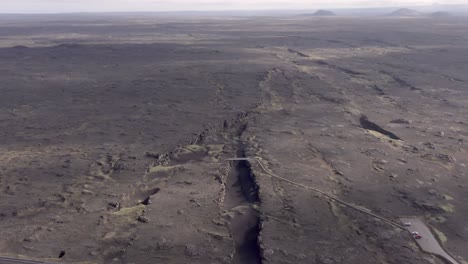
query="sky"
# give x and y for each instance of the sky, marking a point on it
(60, 6)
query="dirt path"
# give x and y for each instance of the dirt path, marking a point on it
(5, 260)
(428, 242)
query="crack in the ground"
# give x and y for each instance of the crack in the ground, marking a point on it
(298, 53)
(241, 195)
(339, 68)
(378, 41)
(241, 200)
(379, 90)
(421, 71)
(366, 124)
(334, 41)
(270, 99)
(400, 81)
(149, 194)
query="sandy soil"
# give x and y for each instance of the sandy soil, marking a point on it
(115, 130)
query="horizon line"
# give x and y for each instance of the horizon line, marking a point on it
(229, 10)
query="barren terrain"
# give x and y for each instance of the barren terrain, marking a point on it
(115, 130)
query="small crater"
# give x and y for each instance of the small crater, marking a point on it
(61, 254)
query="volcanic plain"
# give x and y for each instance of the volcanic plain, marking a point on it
(115, 130)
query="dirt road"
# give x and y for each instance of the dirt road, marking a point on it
(5, 260)
(428, 242)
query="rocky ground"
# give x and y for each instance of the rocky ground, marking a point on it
(115, 132)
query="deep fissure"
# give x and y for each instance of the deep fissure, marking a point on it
(366, 124)
(241, 199)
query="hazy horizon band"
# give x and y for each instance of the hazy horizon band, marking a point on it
(78, 6)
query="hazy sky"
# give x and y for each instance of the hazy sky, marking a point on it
(46, 6)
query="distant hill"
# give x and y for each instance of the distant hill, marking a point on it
(440, 14)
(323, 13)
(405, 12)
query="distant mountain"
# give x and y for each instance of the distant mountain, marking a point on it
(405, 12)
(324, 13)
(440, 14)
